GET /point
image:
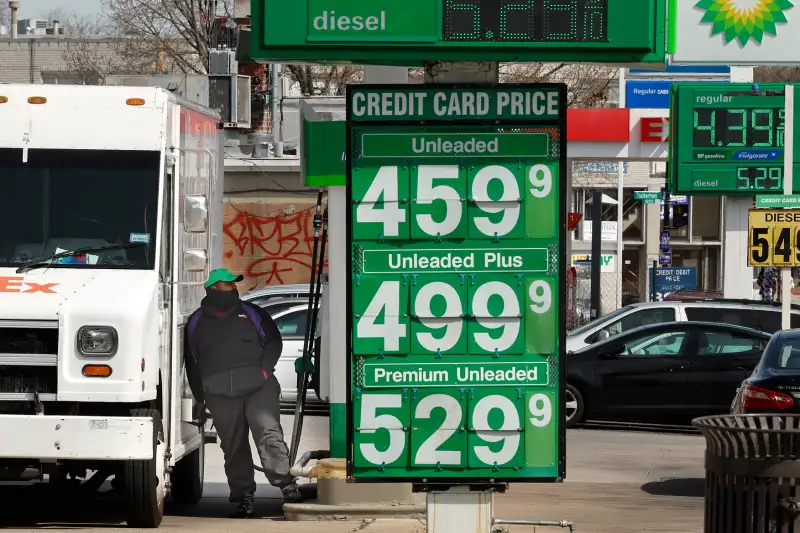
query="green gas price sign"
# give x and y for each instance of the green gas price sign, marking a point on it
(410, 32)
(727, 139)
(456, 301)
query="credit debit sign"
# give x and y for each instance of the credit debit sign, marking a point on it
(774, 238)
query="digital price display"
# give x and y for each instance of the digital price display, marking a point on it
(738, 128)
(410, 32)
(525, 20)
(759, 179)
(727, 139)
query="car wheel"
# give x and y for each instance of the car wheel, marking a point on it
(574, 406)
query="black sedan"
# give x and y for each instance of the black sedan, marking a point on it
(666, 370)
(774, 387)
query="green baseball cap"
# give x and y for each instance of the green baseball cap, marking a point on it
(222, 274)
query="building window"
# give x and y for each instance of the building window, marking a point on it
(633, 225)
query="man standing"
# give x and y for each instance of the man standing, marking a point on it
(230, 350)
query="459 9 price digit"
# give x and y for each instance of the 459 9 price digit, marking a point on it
(452, 201)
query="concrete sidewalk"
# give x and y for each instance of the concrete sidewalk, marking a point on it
(617, 482)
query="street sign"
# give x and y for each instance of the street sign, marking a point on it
(674, 279)
(410, 32)
(734, 33)
(654, 129)
(773, 238)
(727, 139)
(665, 259)
(456, 302)
(647, 94)
(647, 195)
(664, 244)
(778, 201)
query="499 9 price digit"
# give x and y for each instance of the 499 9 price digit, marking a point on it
(454, 314)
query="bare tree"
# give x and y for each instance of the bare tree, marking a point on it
(776, 74)
(147, 37)
(588, 85)
(5, 14)
(317, 80)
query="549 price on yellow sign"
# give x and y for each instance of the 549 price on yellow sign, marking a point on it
(773, 238)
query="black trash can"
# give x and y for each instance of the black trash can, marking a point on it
(752, 467)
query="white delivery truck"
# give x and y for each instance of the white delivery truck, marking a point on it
(110, 219)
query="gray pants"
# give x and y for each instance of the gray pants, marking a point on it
(260, 413)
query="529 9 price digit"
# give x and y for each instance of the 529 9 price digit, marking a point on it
(382, 440)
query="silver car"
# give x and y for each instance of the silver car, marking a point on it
(292, 322)
(265, 294)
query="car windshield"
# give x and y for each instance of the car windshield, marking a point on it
(64, 200)
(600, 321)
(786, 357)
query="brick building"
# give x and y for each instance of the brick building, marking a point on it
(43, 59)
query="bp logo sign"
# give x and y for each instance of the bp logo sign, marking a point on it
(745, 20)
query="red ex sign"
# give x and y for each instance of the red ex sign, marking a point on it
(18, 284)
(654, 129)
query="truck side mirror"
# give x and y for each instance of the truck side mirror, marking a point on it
(195, 213)
(195, 260)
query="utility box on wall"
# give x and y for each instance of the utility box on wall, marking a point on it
(230, 96)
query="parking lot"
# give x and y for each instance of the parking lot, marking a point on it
(617, 481)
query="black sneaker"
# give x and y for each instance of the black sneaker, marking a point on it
(245, 510)
(291, 493)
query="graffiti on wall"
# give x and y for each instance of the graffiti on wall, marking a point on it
(270, 243)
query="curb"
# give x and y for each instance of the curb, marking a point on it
(297, 512)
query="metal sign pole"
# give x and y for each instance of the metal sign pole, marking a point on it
(459, 508)
(788, 162)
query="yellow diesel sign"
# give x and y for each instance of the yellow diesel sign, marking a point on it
(774, 238)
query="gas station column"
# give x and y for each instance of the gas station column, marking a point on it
(737, 276)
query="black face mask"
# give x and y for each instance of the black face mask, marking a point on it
(222, 300)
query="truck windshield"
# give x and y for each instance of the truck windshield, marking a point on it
(63, 200)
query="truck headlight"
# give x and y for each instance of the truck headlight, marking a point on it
(97, 340)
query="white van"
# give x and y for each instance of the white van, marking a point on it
(749, 313)
(111, 202)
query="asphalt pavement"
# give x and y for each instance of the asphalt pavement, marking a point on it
(617, 481)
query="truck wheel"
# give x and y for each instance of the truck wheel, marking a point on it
(145, 483)
(187, 477)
